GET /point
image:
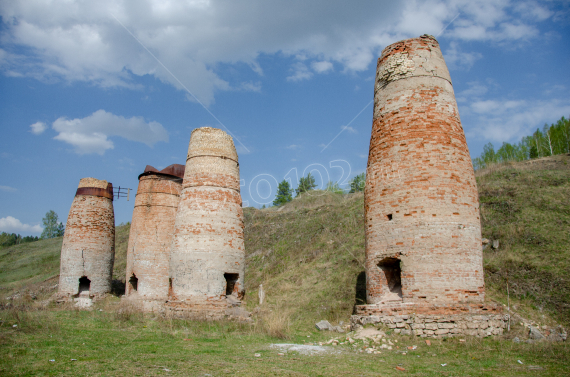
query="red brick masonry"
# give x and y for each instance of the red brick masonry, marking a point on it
(88, 249)
(423, 233)
(152, 228)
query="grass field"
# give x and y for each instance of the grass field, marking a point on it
(309, 256)
(107, 343)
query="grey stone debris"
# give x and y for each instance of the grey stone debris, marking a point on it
(324, 325)
(535, 334)
(338, 329)
(495, 244)
(558, 335)
(516, 339)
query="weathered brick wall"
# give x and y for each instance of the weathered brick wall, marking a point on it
(208, 244)
(88, 248)
(152, 228)
(423, 233)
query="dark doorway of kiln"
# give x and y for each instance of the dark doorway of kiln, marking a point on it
(84, 284)
(392, 279)
(231, 281)
(134, 283)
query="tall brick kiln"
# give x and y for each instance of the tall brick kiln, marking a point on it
(88, 250)
(152, 227)
(423, 233)
(207, 255)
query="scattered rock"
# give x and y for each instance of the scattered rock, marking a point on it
(338, 329)
(428, 342)
(369, 333)
(257, 354)
(83, 302)
(304, 349)
(535, 334)
(324, 325)
(400, 369)
(495, 244)
(557, 335)
(516, 339)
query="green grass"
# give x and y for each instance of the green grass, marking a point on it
(106, 344)
(29, 263)
(528, 211)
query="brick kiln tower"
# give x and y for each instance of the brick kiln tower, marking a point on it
(88, 250)
(207, 255)
(423, 233)
(152, 227)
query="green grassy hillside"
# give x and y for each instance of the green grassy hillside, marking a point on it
(526, 206)
(309, 257)
(309, 254)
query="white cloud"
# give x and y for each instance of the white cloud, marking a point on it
(82, 41)
(301, 72)
(38, 128)
(293, 146)
(251, 86)
(456, 59)
(90, 134)
(510, 120)
(475, 90)
(349, 129)
(8, 189)
(10, 224)
(322, 66)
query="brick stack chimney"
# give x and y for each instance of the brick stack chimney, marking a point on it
(152, 227)
(207, 254)
(423, 233)
(88, 250)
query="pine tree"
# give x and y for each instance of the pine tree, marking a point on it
(358, 183)
(284, 194)
(305, 184)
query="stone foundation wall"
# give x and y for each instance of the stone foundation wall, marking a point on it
(434, 320)
(437, 326)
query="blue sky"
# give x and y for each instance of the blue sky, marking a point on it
(101, 89)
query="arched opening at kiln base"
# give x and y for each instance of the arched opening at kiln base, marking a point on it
(134, 283)
(84, 285)
(231, 281)
(391, 279)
